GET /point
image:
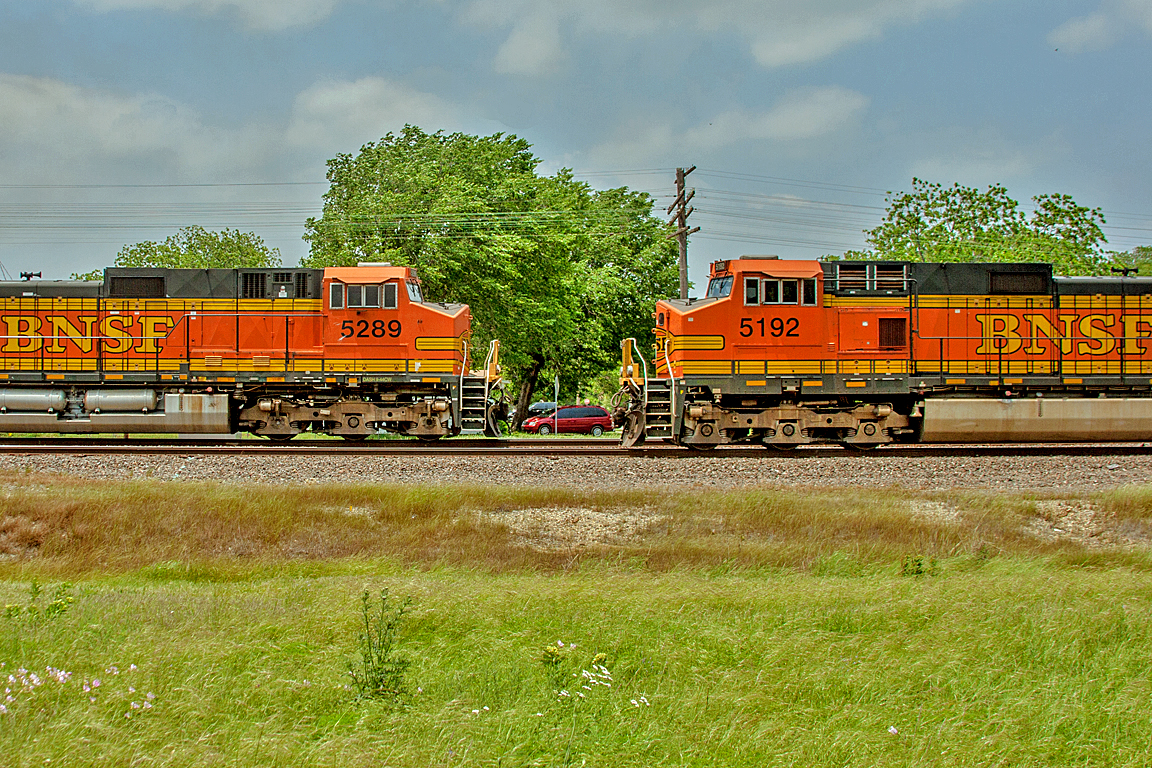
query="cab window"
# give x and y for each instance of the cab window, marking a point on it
(808, 292)
(771, 292)
(789, 292)
(751, 291)
(389, 295)
(363, 296)
(414, 293)
(336, 296)
(719, 287)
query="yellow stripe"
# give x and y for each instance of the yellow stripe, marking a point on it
(983, 301)
(866, 301)
(440, 344)
(433, 366)
(677, 343)
(774, 368)
(705, 367)
(760, 383)
(813, 383)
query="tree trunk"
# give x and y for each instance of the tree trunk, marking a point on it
(527, 385)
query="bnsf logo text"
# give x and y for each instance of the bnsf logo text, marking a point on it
(115, 333)
(1096, 334)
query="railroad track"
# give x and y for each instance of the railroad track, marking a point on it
(529, 447)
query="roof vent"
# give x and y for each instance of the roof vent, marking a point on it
(373, 263)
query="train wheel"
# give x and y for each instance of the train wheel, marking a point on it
(701, 446)
(632, 431)
(859, 446)
(428, 438)
(355, 438)
(280, 438)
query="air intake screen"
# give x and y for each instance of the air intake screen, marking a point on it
(253, 285)
(852, 277)
(137, 287)
(893, 332)
(1018, 282)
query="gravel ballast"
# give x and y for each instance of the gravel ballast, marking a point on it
(1013, 473)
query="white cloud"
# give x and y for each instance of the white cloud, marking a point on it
(1101, 29)
(60, 133)
(54, 130)
(801, 114)
(805, 113)
(341, 115)
(778, 32)
(1087, 33)
(533, 47)
(979, 157)
(264, 15)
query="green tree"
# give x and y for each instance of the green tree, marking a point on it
(549, 267)
(963, 224)
(1139, 258)
(195, 248)
(198, 248)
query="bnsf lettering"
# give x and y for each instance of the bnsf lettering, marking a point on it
(1083, 334)
(57, 334)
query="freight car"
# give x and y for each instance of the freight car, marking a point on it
(345, 351)
(787, 353)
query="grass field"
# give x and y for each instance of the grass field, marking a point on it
(765, 627)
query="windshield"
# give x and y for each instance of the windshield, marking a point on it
(719, 287)
(414, 292)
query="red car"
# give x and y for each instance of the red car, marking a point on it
(586, 419)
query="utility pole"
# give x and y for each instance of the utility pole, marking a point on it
(680, 220)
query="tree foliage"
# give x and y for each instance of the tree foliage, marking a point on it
(198, 248)
(963, 224)
(1139, 258)
(195, 248)
(556, 271)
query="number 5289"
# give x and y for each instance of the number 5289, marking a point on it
(362, 329)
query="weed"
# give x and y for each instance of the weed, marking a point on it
(33, 611)
(918, 565)
(380, 670)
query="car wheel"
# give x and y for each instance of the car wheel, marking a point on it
(545, 429)
(597, 431)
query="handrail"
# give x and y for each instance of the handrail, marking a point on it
(671, 384)
(460, 387)
(644, 367)
(493, 352)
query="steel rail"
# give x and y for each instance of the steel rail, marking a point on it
(539, 447)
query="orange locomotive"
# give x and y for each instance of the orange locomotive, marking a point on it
(344, 351)
(865, 353)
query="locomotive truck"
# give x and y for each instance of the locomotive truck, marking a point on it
(788, 353)
(345, 351)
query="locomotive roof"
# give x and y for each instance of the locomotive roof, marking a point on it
(773, 267)
(50, 288)
(369, 273)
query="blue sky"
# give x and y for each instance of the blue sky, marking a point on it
(124, 120)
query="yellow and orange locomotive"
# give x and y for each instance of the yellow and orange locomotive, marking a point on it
(344, 351)
(864, 353)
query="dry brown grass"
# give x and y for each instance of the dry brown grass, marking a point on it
(67, 525)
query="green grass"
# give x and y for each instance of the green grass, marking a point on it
(1013, 663)
(761, 627)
